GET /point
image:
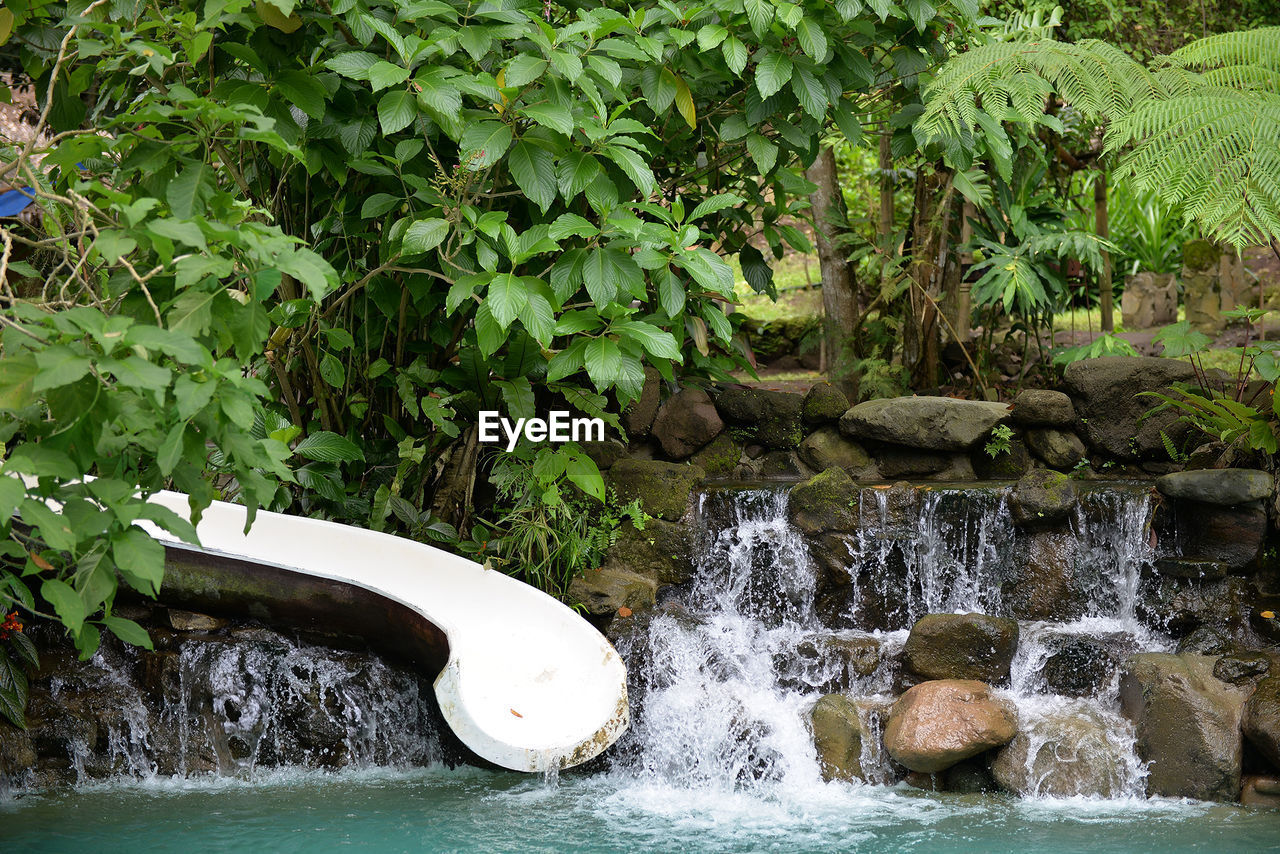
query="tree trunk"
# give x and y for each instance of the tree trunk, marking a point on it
(839, 286)
(921, 333)
(886, 189)
(1104, 231)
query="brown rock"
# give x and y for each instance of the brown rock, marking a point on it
(936, 724)
(1059, 449)
(1037, 407)
(604, 591)
(1259, 791)
(638, 417)
(1187, 723)
(686, 422)
(837, 734)
(190, 621)
(1261, 720)
(961, 646)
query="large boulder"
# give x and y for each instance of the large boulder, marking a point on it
(936, 724)
(1261, 721)
(1105, 394)
(929, 423)
(686, 422)
(1217, 486)
(961, 646)
(1040, 407)
(1187, 723)
(837, 735)
(1065, 753)
(606, 590)
(638, 417)
(771, 418)
(1009, 464)
(823, 402)
(1042, 498)
(825, 502)
(660, 551)
(826, 447)
(1059, 449)
(662, 488)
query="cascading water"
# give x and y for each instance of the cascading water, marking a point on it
(726, 673)
(230, 705)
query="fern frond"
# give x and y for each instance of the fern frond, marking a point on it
(1214, 152)
(1100, 80)
(1247, 47)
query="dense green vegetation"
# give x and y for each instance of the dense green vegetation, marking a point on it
(287, 251)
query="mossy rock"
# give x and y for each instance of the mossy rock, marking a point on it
(824, 502)
(772, 417)
(660, 551)
(1200, 255)
(824, 402)
(662, 488)
(720, 457)
(1043, 497)
(603, 591)
(837, 735)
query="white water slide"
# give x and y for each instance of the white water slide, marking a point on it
(527, 684)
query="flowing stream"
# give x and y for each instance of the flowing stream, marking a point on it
(719, 757)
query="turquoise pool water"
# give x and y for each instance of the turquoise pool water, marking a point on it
(470, 810)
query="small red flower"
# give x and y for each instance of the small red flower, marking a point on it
(10, 625)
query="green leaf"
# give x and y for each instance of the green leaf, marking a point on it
(534, 172)
(489, 335)
(140, 560)
(525, 68)
(170, 451)
(603, 361)
(354, 64)
(397, 110)
(12, 492)
(709, 270)
(575, 173)
(633, 165)
(383, 74)
(332, 370)
(13, 682)
(55, 530)
(772, 73)
(65, 601)
(813, 40)
(310, 269)
(303, 91)
(182, 194)
(569, 225)
(506, 296)
(715, 204)
(128, 631)
(921, 12)
(655, 341)
(684, 103)
(763, 152)
(137, 372)
(377, 205)
(59, 366)
(423, 235)
(326, 447)
(735, 54)
(811, 94)
(583, 473)
(710, 37)
(760, 14)
(484, 143)
(17, 378)
(554, 116)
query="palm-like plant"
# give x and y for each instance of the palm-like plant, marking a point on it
(1200, 126)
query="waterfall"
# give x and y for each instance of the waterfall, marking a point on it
(727, 670)
(231, 705)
